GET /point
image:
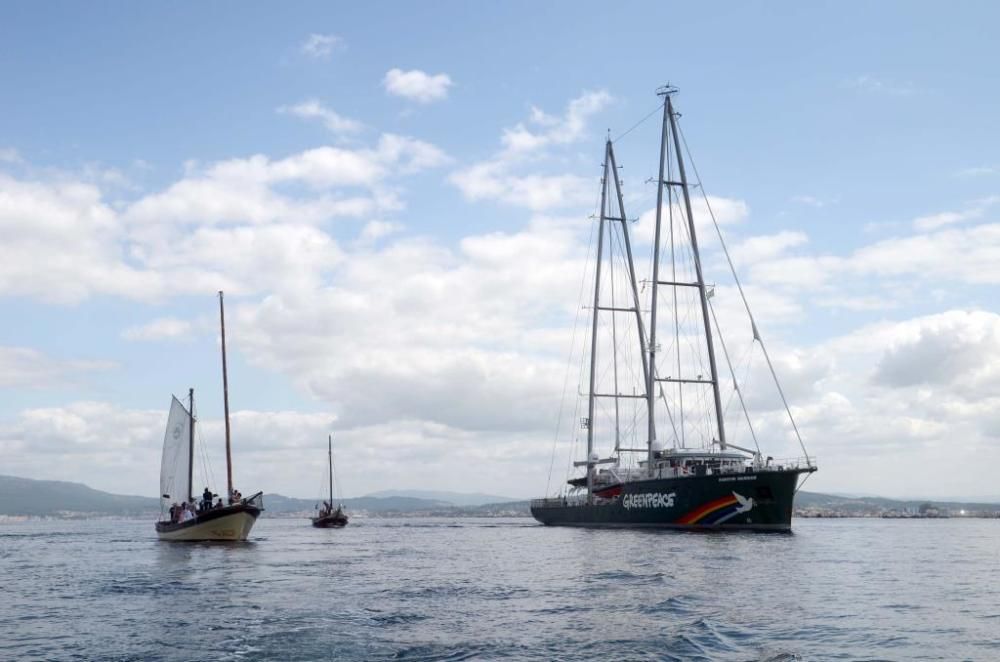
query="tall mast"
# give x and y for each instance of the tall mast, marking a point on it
(190, 492)
(631, 263)
(651, 375)
(669, 112)
(593, 333)
(329, 453)
(225, 399)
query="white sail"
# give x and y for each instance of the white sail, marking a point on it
(175, 465)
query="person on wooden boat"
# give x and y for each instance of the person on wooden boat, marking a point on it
(218, 504)
(206, 499)
(173, 511)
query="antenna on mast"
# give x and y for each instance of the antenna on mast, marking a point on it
(666, 90)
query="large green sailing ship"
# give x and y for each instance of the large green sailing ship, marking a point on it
(655, 404)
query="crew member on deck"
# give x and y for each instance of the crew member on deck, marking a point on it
(206, 499)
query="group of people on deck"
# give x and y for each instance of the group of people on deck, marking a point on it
(188, 511)
(328, 509)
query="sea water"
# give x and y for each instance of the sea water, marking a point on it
(455, 589)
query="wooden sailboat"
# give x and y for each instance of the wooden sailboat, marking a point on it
(328, 517)
(183, 519)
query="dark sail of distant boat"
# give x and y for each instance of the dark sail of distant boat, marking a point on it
(329, 517)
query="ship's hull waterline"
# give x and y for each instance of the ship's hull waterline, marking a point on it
(330, 522)
(760, 501)
(230, 524)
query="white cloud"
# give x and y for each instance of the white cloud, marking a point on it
(375, 230)
(321, 46)
(912, 394)
(945, 251)
(766, 247)
(284, 452)
(973, 211)
(9, 155)
(967, 255)
(69, 228)
(164, 328)
(493, 181)
(977, 171)
(164, 243)
(313, 109)
(415, 331)
(452, 354)
(504, 178)
(726, 211)
(417, 85)
(249, 190)
(809, 200)
(874, 85)
(564, 130)
(24, 367)
(957, 348)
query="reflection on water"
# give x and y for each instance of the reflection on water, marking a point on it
(432, 589)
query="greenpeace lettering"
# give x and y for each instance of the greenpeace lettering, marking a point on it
(648, 500)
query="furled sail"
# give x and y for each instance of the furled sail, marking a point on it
(176, 460)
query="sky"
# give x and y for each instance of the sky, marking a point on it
(398, 202)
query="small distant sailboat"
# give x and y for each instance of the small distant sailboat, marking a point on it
(327, 517)
(231, 521)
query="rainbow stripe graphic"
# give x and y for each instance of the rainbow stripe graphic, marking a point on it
(712, 512)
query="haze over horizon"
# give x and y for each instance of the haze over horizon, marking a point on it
(399, 214)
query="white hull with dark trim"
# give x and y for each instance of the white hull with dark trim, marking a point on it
(228, 524)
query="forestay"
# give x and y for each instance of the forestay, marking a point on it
(175, 465)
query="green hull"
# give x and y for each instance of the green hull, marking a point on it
(760, 501)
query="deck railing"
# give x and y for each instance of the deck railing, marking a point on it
(559, 501)
(804, 463)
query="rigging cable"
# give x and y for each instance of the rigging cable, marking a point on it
(206, 466)
(746, 304)
(635, 126)
(736, 387)
(569, 363)
(336, 480)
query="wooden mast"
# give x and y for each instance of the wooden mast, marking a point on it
(225, 400)
(190, 490)
(329, 452)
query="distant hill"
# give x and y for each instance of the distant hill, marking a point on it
(462, 499)
(52, 498)
(868, 504)
(24, 496)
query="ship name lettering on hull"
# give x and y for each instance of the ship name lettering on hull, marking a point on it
(648, 500)
(730, 479)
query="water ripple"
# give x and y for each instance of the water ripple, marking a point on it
(436, 589)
